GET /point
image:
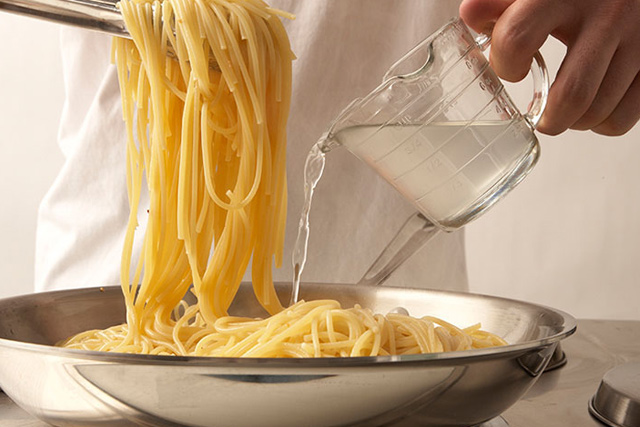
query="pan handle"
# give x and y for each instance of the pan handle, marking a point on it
(415, 232)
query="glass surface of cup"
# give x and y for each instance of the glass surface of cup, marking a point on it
(442, 130)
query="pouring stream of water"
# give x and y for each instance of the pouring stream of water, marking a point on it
(313, 168)
(416, 231)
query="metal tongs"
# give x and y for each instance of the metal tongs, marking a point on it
(99, 15)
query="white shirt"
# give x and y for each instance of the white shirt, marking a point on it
(343, 48)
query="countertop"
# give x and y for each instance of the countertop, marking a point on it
(558, 399)
(561, 397)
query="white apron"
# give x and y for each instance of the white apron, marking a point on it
(343, 47)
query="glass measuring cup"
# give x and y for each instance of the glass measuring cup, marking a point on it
(442, 129)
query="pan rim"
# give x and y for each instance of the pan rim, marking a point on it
(568, 327)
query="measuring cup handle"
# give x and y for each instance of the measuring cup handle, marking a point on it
(540, 76)
(540, 90)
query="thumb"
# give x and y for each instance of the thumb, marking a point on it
(518, 29)
(481, 15)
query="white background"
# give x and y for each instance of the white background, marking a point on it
(568, 236)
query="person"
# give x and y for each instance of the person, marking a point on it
(343, 50)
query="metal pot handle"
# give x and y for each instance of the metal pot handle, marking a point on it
(415, 232)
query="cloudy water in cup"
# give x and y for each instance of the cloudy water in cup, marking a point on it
(443, 168)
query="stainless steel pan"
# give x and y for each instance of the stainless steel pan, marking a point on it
(77, 388)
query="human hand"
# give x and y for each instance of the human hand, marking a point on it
(598, 84)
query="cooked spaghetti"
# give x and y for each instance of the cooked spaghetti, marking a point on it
(319, 328)
(206, 87)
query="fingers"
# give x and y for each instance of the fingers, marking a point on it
(625, 115)
(518, 29)
(481, 15)
(519, 33)
(619, 77)
(577, 82)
